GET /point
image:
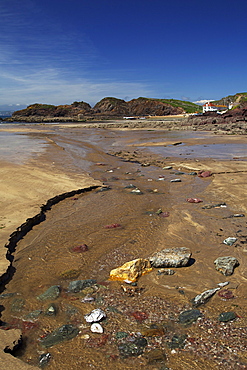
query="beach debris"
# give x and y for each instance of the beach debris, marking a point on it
(226, 265)
(188, 317)
(204, 297)
(60, 334)
(80, 248)
(167, 168)
(131, 270)
(209, 206)
(112, 226)
(78, 285)
(51, 310)
(97, 328)
(44, 359)
(171, 257)
(204, 174)
(176, 180)
(226, 294)
(165, 272)
(227, 316)
(223, 284)
(133, 348)
(194, 200)
(95, 315)
(236, 215)
(230, 241)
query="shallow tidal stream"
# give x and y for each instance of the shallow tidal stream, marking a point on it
(47, 256)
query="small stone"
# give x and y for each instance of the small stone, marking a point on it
(176, 180)
(70, 274)
(44, 359)
(51, 310)
(194, 200)
(121, 335)
(178, 341)
(223, 284)
(80, 248)
(230, 241)
(95, 316)
(17, 305)
(85, 336)
(134, 348)
(226, 265)
(136, 191)
(61, 334)
(78, 285)
(165, 272)
(97, 328)
(227, 316)
(189, 316)
(204, 297)
(172, 257)
(51, 293)
(167, 168)
(155, 355)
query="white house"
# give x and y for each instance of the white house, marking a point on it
(211, 107)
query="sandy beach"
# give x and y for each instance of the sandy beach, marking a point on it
(64, 177)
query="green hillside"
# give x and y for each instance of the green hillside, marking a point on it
(238, 100)
(188, 106)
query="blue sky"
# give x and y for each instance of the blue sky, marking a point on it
(61, 51)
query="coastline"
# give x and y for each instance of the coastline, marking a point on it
(22, 199)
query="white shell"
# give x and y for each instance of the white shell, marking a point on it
(95, 315)
(97, 328)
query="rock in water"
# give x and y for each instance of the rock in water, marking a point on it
(189, 316)
(95, 316)
(131, 270)
(78, 285)
(65, 332)
(227, 316)
(226, 265)
(97, 328)
(204, 297)
(172, 257)
(134, 348)
(51, 293)
(230, 241)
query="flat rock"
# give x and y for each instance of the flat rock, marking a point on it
(204, 296)
(77, 285)
(61, 334)
(189, 316)
(226, 265)
(172, 257)
(131, 270)
(51, 293)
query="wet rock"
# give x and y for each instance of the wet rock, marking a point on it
(152, 332)
(165, 272)
(134, 348)
(121, 335)
(178, 341)
(51, 293)
(194, 200)
(78, 285)
(131, 270)
(51, 310)
(176, 180)
(137, 191)
(155, 355)
(204, 173)
(17, 305)
(112, 226)
(192, 173)
(61, 334)
(97, 328)
(33, 315)
(104, 188)
(130, 186)
(167, 168)
(7, 295)
(44, 359)
(80, 248)
(226, 294)
(172, 257)
(189, 316)
(227, 316)
(204, 297)
(230, 241)
(223, 284)
(209, 206)
(226, 265)
(95, 316)
(70, 274)
(139, 316)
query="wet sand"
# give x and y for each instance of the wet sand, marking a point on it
(77, 157)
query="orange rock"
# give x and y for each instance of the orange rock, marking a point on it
(131, 270)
